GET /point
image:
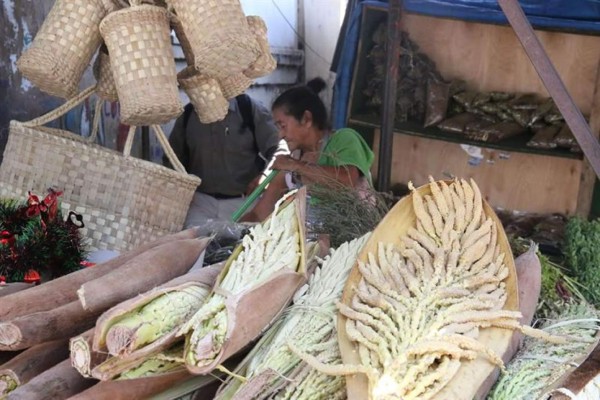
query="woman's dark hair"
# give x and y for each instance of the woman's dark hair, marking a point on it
(297, 100)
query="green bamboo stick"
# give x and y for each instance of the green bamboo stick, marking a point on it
(253, 196)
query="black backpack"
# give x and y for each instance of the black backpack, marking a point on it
(245, 105)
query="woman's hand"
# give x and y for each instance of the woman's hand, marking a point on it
(286, 163)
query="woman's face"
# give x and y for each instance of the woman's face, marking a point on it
(294, 132)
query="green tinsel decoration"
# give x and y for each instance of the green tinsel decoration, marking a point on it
(34, 236)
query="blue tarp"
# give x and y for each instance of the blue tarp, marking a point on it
(572, 15)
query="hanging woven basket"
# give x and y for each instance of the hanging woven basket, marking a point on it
(186, 47)
(234, 85)
(139, 43)
(205, 95)
(265, 63)
(219, 35)
(64, 46)
(105, 82)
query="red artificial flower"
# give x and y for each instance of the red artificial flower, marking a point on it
(7, 238)
(32, 276)
(50, 203)
(87, 264)
(34, 207)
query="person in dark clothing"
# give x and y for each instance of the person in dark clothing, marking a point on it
(229, 156)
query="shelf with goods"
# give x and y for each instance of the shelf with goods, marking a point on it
(488, 58)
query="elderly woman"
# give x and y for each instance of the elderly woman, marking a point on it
(319, 156)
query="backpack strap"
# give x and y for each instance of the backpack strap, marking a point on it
(187, 112)
(245, 105)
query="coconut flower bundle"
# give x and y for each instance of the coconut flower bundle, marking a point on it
(271, 367)
(540, 365)
(256, 284)
(583, 383)
(133, 335)
(432, 301)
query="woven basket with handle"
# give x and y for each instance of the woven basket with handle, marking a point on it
(124, 201)
(64, 46)
(219, 35)
(139, 43)
(205, 95)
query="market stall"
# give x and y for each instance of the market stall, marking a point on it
(479, 283)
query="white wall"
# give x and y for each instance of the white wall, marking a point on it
(322, 23)
(275, 13)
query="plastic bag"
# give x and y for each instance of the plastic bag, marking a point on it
(465, 98)
(528, 101)
(473, 129)
(565, 137)
(438, 95)
(544, 138)
(501, 131)
(501, 96)
(521, 117)
(227, 235)
(457, 123)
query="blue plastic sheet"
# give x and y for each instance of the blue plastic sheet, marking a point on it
(341, 88)
(577, 15)
(571, 15)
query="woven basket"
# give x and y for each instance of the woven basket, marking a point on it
(205, 94)
(105, 83)
(124, 201)
(234, 85)
(219, 35)
(139, 43)
(186, 47)
(64, 46)
(265, 63)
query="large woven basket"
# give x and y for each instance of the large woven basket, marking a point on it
(124, 201)
(139, 43)
(265, 63)
(219, 35)
(205, 95)
(64, 46)
(105, 82)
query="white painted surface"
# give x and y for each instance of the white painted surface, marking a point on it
(322, 23)
(281, 17)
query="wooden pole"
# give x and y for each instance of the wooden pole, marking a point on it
(389, 95)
